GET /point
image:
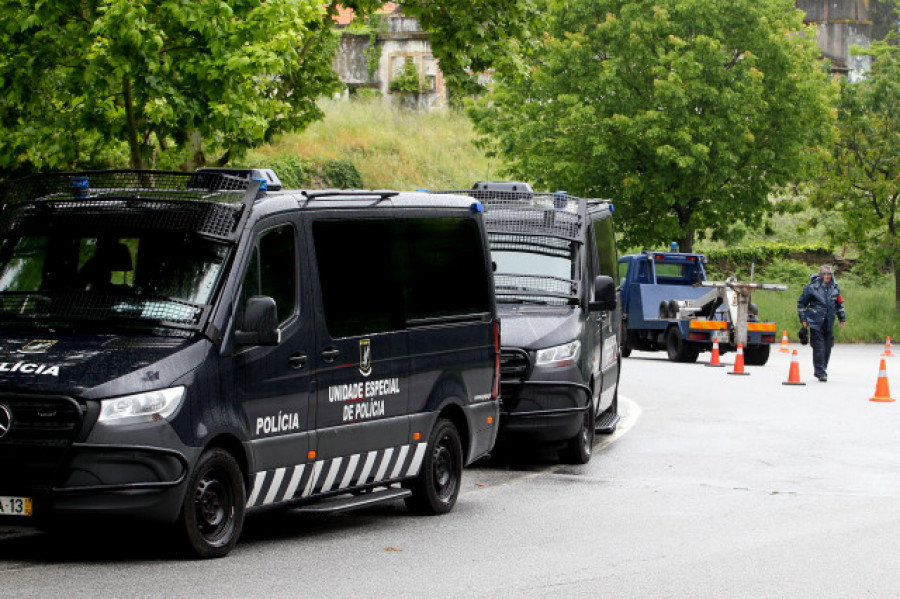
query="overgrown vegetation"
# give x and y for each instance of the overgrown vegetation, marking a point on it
(390, 148)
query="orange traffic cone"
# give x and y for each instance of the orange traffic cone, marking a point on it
(714, 359)
(794, 372)
(739, 361)
(784, 343)
(887, 349)
(882, 393)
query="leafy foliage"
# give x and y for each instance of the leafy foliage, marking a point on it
(688, 113)
(175, 80)
(407, 82)
(176, 84)
(766, 253)
(863, 182)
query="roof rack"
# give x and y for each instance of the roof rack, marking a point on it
(135, 184)
(224, 204)
(381, 194)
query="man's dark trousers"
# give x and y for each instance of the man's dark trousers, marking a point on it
(821, 341)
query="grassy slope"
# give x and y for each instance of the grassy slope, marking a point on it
(392, 149)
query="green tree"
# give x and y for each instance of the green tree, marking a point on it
(687, 113)
(863, 178)
(175, 83)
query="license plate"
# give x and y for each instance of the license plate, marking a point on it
(721, 336)
(15, 506)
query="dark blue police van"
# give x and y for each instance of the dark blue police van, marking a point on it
(554, 257)
(185, 348)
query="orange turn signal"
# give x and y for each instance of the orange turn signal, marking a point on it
(311, 455)
(490, 420)
(416, 436)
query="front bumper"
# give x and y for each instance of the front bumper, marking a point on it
(544, 410)
(133, 481)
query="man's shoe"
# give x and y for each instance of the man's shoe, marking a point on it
(822, 378)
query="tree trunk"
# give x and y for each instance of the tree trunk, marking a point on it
(137, 161)
(686, 243)
(196, 158)
(897, 287)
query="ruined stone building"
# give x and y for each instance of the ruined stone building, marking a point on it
(373, 58)
(396, 38)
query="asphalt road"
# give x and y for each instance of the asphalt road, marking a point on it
(715, 485)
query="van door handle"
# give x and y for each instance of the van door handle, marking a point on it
(329, 354)
(297, 360)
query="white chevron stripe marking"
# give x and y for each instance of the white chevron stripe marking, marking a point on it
(332, 474)
(258, 480)
(295, 480)
(370, 461)
(351, 468)
(272, 495)
(313, 477)
(400, 459)
(417, 460)
(382, 468)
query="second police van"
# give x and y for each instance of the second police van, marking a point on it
(186, 348)
(554, 257)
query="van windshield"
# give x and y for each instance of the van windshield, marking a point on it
(52, 274)
(534, 269)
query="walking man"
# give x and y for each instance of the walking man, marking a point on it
(817, 308)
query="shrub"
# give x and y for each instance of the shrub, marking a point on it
(342, 174)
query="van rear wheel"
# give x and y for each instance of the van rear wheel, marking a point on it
(212, 514)
(435, 489)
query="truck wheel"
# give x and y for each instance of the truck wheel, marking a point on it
(625, 350)
(435, 489)
(212, 514)
(678, 349)
(578, 449)
(757, 355)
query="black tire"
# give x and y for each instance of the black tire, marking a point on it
(757, 355)
(625, 350)
(578, 449)
(678, 349)
(212, 514)
(435, 489)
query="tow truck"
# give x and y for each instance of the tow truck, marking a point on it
(668, 304)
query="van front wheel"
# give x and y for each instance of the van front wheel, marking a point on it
(435, 489)
(578, 449)
(212, 514)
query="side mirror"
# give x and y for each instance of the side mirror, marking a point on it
(260, 323)
(604, 295)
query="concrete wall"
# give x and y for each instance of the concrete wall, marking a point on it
(841, 24)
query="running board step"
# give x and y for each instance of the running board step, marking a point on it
(346, 503)
(606, 422)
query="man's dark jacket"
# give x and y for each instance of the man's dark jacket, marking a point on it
(820, 303)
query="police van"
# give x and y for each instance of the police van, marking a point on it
(555, 259)
(188, 348)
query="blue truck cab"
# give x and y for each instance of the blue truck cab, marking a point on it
(668, 304)
(185, 348)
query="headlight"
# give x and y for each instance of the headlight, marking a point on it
(561, 355)
(141, 407)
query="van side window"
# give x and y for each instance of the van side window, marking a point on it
(606, 246)
(272, 271)
(357, 264)
(445, 268)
